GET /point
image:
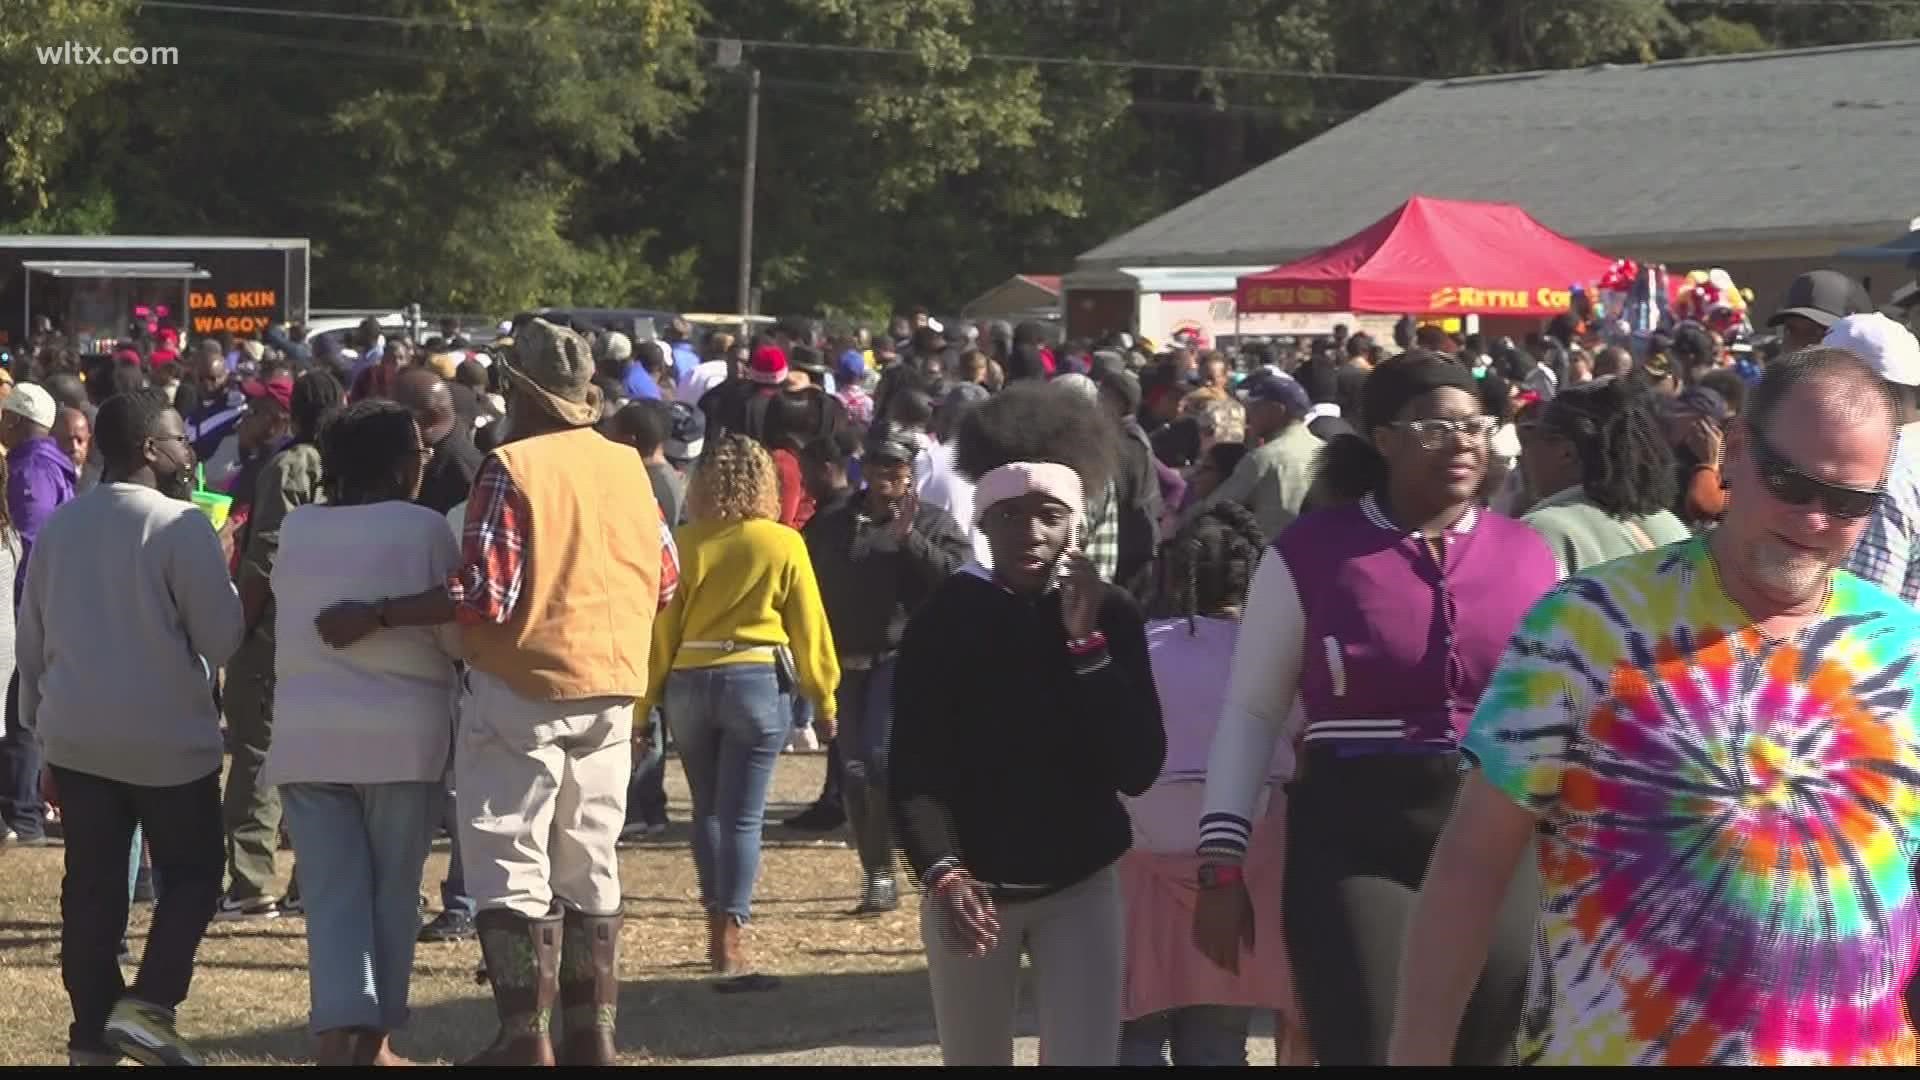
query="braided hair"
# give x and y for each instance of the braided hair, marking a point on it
(1626, 464)
(362, 452)
(1210, 563)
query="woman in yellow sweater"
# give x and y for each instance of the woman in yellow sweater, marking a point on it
(746, 588)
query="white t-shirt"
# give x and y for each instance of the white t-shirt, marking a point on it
(382, 710)
(944, 487)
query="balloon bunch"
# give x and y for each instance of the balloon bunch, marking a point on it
(1709, 297)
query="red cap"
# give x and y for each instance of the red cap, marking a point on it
(769, 365)
(279, 388)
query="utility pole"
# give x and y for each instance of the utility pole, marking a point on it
(746, 191)
(731, 55)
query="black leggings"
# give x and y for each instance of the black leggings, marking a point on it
(1359, 834)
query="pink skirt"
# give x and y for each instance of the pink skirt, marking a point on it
(1163, 968)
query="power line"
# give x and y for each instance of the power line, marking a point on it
(771, 45)
(372, 56)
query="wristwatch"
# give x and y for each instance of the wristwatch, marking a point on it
(1217, 875)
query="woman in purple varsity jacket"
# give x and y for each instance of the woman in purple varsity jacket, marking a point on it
(1365, 647)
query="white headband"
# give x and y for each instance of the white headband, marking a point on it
(1017, 478)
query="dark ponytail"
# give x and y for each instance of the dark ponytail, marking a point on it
(1350, 469)
(1626, 464)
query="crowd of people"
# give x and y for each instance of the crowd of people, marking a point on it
(1459, 701)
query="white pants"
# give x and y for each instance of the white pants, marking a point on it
(541, 788)
(1074, 939)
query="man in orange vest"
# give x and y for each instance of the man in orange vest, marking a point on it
(565, 563)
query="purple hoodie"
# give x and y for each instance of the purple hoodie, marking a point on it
(40, 479)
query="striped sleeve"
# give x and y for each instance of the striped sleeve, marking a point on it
(1259, 714)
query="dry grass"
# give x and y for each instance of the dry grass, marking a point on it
(850, 982)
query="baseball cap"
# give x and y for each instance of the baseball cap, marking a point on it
(768, 366)
(1886, 345)
(1823, 296)
(32, 402)
(1268, 385)
(279, 388)
(686, 433)
(889, 443)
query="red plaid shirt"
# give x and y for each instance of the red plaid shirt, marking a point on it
(494, 550)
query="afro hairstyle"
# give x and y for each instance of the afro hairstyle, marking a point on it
(1036, 421)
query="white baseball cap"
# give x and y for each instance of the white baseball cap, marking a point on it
(1889, 347)
(32, 402)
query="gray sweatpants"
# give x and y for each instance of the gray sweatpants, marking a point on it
(1074, 940)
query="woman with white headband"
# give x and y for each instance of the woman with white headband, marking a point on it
(1024, 707)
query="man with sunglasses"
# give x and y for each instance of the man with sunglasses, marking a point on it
(1712, 748)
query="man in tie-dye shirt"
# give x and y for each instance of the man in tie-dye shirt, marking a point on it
(1711, 748)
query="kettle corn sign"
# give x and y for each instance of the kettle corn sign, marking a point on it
(1271, 296)
(1467, 298)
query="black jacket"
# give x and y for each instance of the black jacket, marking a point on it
(448, 478)
(870, 584)
(1009, 754)
(1137, 486)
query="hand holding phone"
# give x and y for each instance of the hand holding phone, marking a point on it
(1081, 591)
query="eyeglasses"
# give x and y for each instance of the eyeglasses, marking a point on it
(1434, 434)
(1795, 488)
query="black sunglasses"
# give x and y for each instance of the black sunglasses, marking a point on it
(1795, 488)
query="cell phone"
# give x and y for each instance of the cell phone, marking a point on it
(1061, 567)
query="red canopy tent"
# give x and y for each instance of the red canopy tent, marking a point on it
(1433, 257)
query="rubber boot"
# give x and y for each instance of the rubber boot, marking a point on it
(523, 965)
(589, 988)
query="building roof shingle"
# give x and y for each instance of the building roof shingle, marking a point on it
(1797, 142)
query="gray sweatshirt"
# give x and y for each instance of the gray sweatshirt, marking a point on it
(126, 593)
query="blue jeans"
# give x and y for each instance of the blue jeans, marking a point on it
(453, 891)
(363, 847)
(866, 721)
(730, 723)
(1202, 1035)
(647, 791)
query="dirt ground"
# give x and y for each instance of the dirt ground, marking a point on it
(854, 991)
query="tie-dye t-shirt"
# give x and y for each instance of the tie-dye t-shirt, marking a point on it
(1730, 820)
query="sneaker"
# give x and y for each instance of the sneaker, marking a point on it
(96, 1058)
(448, 926)
(291, 906)
(820, 817)
(633, 831)
(231, 909)
(655, 828)
(145, 1033)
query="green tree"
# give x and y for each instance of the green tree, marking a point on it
(38, 97)
(450, 156)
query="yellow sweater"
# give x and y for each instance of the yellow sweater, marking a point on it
(750, 583)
